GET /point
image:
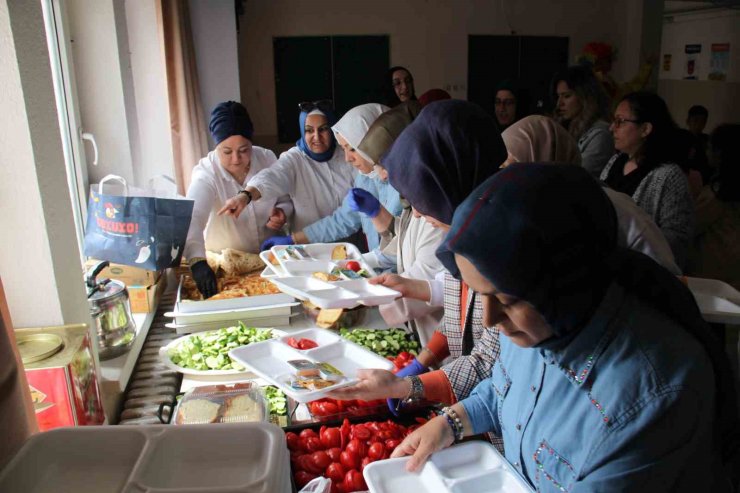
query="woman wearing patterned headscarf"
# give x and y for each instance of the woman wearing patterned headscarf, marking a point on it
(608, 378)
(313, 173)
(451, 148)
(216, 178)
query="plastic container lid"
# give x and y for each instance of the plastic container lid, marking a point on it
(237, 403)
(244, 457)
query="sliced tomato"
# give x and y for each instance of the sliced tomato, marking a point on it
(353, 481)
(292, 342)
(321, 460)
(353, 265)
(313, 444)
(304, 344)
(350, 460)
(391, 444)
(365, 462)
(361, 432)
(293, 441)
(307, 432)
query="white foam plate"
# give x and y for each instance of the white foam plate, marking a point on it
(165, 357)
(270, 269)
(269, 360)
(718, 301)
(470, 467)
(338, 294)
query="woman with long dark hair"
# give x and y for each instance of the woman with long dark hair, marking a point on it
(583, 108)
(644, 167)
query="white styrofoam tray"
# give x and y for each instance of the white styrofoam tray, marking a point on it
(270, 269)
(188, 306)
(165, 357)
(272, 321)
(317, 252)
(470, 467)
(718, 301)
(337, 294)
(226, 458)
(269, 360)
(231, 314)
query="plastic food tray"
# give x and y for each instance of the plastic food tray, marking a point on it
(270, 270)
(337, 294)
(188, 306)
(471, 467)
(230, 458)
(718, 301)
(319, 259)
(244, 314)
(221, 404)
(165, 357)
(269, 360)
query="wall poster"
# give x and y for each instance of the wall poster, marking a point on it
(692, 61)
(720, 61)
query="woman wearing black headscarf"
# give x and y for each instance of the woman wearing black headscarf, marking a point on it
(216, 178)
(608, 378)
(449, 149)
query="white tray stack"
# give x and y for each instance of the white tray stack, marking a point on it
(270, 310)
(471, 467)
(225, 458)
(294, 276)
(718, 301)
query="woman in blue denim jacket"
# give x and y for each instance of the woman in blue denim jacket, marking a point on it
(608, 379)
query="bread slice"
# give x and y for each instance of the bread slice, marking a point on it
(238, 263)
(197, 411)
(328, 317)
(339, 252)
(241, 409)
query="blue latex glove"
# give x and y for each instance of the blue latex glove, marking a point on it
(276, 240)
(361, 200)
(414, 368)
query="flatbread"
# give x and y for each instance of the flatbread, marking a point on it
(214, 261)
(237, 263)
(324, 276)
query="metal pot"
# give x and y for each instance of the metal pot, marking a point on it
(111, 312)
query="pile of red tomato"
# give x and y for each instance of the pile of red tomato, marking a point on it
(331, 407)
(403, 360)
(341, 453)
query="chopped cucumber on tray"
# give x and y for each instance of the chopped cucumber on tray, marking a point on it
(385, 342)
(210, 350)
(277, 403)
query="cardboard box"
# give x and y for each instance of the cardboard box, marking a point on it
(144, 299)
(130, 276)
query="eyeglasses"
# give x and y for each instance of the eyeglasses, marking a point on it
(504, 102)
(398, 82)
(618, 122)
(321, 105)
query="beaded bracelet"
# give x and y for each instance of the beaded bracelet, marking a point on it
(455, 423)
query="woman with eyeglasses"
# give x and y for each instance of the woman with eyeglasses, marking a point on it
(402, 85)
(345, 221)
(313, 173)
(509, 103)
(583, 108)
(608, 378)
(644, 168)
(215, 179)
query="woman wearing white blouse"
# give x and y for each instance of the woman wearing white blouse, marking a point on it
(219, 176)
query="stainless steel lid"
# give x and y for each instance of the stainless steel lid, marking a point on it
(37, 347)
(108, 289)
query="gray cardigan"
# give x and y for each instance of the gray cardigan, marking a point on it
(664, 195)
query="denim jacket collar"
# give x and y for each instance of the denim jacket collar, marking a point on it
(577, 359)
